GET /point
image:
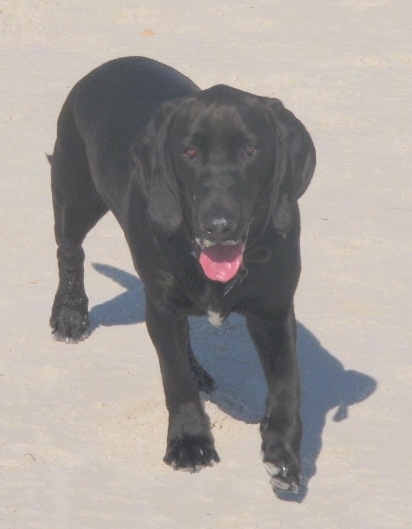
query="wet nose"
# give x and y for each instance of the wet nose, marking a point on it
(218, 229)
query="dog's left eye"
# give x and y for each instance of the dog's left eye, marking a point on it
(190, 153)
(248, 151)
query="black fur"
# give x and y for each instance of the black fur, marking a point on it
(180, 168)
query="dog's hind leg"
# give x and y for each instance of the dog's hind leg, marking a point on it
(204, 381)
(77, 208)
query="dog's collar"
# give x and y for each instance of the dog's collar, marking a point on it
(263, 256)
(238, 279)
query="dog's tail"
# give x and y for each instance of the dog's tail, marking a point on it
(49, 157)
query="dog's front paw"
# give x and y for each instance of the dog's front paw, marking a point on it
(69, 325)
(191, 453)
(284, 478)
(281, 461)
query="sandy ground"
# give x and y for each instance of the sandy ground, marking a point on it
(82, 427)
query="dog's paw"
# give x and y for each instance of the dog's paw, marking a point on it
(280, 455)
(191, 453)
(69, 325)
(283, 479)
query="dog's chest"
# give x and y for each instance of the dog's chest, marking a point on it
(215, 318)
(216, 305)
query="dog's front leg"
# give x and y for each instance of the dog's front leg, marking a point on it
(281, 426)
(190, 443)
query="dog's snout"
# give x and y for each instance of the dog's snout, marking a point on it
(218, 229)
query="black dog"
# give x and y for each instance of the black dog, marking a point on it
(205, 185)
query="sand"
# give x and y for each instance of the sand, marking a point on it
(82, 427)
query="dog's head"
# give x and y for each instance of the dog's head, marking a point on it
(223, 161)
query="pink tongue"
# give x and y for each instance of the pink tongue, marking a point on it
(221, 263)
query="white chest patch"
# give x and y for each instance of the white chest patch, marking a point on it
(215, 318)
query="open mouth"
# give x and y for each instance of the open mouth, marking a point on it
(220, 262)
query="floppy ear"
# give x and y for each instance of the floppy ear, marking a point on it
(152, 168)
(295, 163)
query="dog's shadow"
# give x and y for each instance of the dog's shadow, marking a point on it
(228, 354)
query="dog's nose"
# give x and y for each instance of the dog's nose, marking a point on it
(218, 229)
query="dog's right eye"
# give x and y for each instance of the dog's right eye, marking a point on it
(190, 154)
(248, 151)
